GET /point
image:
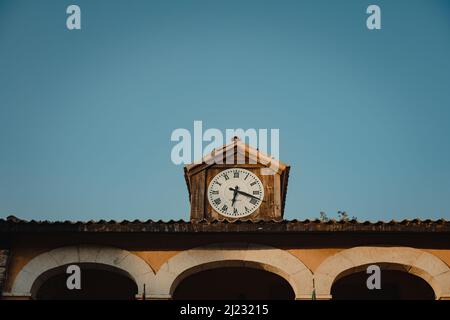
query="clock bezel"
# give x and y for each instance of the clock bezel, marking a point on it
(254, 209)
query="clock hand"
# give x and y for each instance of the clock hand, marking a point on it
(235, 191)
(245, 194)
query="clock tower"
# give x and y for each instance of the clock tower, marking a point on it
(237, 182)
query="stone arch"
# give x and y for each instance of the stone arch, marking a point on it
(247, 255)
(132, 265)
(414, 261)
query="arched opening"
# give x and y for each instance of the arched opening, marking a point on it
(233, 283)
(98, 282)
(282, 265)
(395, 285)
(414, 262)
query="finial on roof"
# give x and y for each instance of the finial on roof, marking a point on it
(12, 218)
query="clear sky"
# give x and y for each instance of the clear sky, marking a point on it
(86, 116)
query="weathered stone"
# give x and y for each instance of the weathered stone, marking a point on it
(256, 256)
(427, 262)
(111, 256)
(3, 257)
(65, 255)
(417, 262)
(138, 269)
(88, 253)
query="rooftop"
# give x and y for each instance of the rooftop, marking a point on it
(13, 224)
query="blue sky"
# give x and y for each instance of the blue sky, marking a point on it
(86, 116)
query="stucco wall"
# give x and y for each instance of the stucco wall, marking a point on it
(310, 253)
(156, 258)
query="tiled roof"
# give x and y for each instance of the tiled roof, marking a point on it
(13, 224)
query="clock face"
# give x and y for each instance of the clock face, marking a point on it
(235, 193)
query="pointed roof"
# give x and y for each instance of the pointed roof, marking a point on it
(233, 151)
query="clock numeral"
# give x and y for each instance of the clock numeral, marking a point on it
(226, 176)
(236, 174)
(217, 201)
(256, 192)
(218, 183)
(253, 201)
(253, 183)
(235, 211)
(224, 208)
(246, 176)
(214, 192)
(246, 209)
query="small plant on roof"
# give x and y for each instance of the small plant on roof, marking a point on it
(323, 217)
(342, 216)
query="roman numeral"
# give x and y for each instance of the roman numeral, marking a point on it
(226, 176)
(214, 192)
(253, 201)
(255, 193)
(224, 208)
(217, 201)
(218, 183)
(246, 176)
(253, 183)
(236, 174)
(235, 211)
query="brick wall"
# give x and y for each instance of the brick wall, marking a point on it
(4, 255)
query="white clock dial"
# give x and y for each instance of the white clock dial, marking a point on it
(235, 193)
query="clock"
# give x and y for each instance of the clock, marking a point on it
(235, 193)
(221, 186)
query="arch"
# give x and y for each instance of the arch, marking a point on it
(247, 255)
(233, 283)
(414, 261)
(136, 268)
(396, 283)
(100, 282)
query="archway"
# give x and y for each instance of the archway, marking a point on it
(130, 264)
(396, 284)
(416, 262)
(236, 283)
(98, 282)
(233, 255)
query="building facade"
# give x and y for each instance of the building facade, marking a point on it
(245, 251)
